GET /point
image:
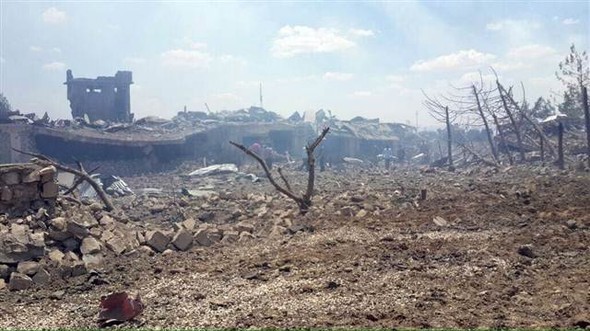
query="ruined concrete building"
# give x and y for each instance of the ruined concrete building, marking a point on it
(103, 98)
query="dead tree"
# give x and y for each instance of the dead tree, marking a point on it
(502, 138)
(484, 121)
(82, 175)
(535, 125)
(587, 117)
(515, 125)
(470, 101)
(560, 159)
(304, 201)
(441, 113)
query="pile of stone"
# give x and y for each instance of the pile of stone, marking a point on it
(37, 248)
(26, 187)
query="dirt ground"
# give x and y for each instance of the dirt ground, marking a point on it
(367, 255)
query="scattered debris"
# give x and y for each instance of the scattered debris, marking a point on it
(118, 307)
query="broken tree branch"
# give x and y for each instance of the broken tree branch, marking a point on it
(479, 157)
(287, 185)
(79, 180)
(304, 202)
(45, 161)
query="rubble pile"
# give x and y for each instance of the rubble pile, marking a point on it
(237, 252)
(26, 186)
(78, 238)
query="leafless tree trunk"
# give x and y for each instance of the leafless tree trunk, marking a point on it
(304, 201)
(515, 126)
(587, 117)
(542, 150)
(502, 138)
(536, 126)
(449, 140)
(485, 123)
(560, 161)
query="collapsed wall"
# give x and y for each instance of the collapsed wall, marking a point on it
(25, 187)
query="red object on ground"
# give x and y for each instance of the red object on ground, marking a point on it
(118, 307)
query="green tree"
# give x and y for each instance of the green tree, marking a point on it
(574, 73)
(572, 102)
(5, 107)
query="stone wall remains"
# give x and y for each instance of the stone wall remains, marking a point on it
(27, 187)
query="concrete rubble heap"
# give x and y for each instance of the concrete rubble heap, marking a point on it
(38, 248)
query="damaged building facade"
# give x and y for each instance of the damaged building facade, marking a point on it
(153, 144)
(102, 98)
(103, 132)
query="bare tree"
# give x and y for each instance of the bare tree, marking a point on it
(587, 117)
(442, 114)
(476, 94)
(515, 126)
(470, 101)
(304, 201)
(535, 125)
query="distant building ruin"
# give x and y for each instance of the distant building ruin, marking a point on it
(103, 98)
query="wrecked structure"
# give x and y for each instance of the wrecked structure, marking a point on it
(103, 98)
(155, 144)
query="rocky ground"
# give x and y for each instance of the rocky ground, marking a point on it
(486, 248)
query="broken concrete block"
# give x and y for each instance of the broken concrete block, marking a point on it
(439, 221)
(58, 223)
(71, 257)
(78, 268)
(42, 277)
(77, 228)
(56, 255)
(20, 245)
(5, 194)
(92, 261)
(116, 244)
(527, 250)
(32, 177)
(89, 246)
(50, 190)
(146, 250)
(182, 240)
(58, 235)
(28, 268)
(106, 220)
(157, 240)
(2, 284)
(19, 282)
(47, 174)
(11, 178)
(71, 244)
(4, 271)
(244, 226)
(202, 237)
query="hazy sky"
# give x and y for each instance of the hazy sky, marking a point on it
(367, 59)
